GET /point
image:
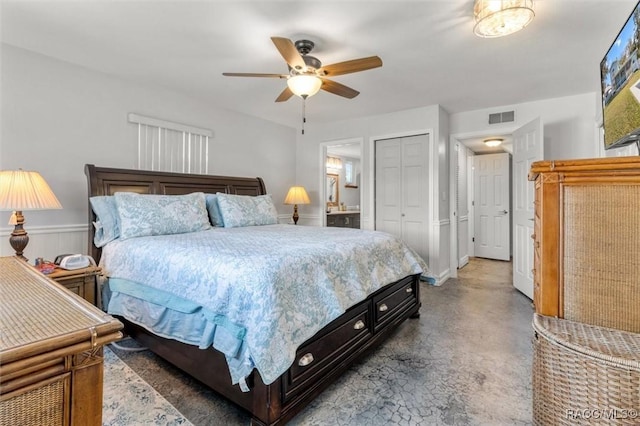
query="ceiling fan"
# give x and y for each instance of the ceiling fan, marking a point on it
(306, 73)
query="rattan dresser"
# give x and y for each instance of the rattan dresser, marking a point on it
(586, 347)
(586, 241)
(51, 362)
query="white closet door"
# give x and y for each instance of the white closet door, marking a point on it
(402, 190)
(415, 191)
(389, 186)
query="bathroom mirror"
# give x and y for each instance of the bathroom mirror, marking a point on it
(333, 195)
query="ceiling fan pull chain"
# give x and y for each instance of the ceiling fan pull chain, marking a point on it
(304, 113)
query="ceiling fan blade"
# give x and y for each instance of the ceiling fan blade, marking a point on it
(353, 65)
(289, 52)
(248, 74)
(338, 89)
(285, 95)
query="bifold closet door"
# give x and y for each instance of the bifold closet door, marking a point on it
(401, 190)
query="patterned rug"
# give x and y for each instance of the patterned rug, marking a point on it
(129, 400)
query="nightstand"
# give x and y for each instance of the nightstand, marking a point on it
(83, 282)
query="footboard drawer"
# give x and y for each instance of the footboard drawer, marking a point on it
(333, 346)
(394, 301)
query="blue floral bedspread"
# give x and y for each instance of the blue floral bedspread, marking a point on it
(257, 292)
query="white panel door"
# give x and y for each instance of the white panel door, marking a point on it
(389, 187)
(528, 146)
(415, 194)
(492, 225)
(402, 190)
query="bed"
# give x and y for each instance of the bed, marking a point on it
(348, 324)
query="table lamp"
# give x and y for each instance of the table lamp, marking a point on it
(22, 190)
(296, 195)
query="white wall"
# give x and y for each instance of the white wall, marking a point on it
(430, 119)
(571, 128)
(570, 124)
(57, 116)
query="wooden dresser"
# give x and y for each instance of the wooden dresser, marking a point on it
(51, 362)
(586, 239)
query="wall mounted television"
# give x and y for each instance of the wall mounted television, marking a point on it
(620, 81)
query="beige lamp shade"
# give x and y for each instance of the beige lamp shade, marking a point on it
(297, 195)
(23, 190)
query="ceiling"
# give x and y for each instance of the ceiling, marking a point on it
(428, 48)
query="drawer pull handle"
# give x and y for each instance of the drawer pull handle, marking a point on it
(409, 290)
(305, 360)
(359, 325)
(383, 308)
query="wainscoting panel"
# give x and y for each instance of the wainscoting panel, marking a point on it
(48, 241)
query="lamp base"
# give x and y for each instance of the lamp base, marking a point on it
(295, 214)
(19, 238)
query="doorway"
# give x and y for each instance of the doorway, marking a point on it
(473, 224)
(492, 206)
(341, 182)
(526, 145)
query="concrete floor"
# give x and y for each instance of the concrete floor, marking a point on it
(466, 361)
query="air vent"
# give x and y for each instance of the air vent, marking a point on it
(502, 117)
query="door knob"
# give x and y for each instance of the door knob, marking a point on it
(504, 212)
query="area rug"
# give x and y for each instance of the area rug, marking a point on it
(129, 400)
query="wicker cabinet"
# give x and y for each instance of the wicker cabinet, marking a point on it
(586, 245)
(586, 351)
(51, 362)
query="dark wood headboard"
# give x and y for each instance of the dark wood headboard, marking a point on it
(107, 181)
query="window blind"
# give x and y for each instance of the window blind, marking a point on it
(171, 147)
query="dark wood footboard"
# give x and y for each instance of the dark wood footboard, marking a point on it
(319, 361)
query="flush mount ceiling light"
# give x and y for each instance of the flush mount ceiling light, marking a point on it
(497, 18)
(493, 142)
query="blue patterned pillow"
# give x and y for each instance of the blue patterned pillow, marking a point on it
(213, 209)
(107, 223)
(144, 214)
(245, 210)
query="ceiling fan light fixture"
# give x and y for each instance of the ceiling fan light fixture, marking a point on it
(304, 85)
(493, 142)
(497, 18)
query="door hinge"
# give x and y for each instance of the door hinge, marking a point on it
(473, 239)
(473, 203)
